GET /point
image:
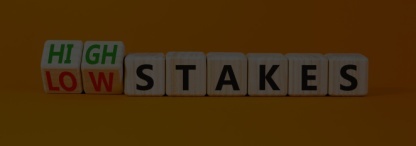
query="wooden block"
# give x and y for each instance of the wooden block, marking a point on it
(186, 74)
(348, 75)
(227, 74)
(145, 74)
(308, 74)
(102, 67)
(60, 66)
(267, 74)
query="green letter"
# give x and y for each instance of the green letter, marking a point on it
(110, 54)
(96, 55)
(68, 54)
(60, 54)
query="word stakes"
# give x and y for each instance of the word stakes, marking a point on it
(101, 67)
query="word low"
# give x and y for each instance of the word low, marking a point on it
(100, 67)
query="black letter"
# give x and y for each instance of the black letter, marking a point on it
(348, 77)
(232, 81)
(185, 68)
(148, 79)
(268, 77)
(306, 77)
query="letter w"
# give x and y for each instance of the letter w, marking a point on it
(101, 78)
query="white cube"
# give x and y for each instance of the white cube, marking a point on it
(227, 74)
(61, 66)
(145, 74)
(267, 74)
(186, 74)
(102, 67)
(348, 74)
(308, 74)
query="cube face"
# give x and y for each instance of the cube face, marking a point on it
(267, 74)
(105, 81)
(308, 74)
(145, 74)
(348, 75)
(102, 67)
(60, 66)
(227, 74)
(62, 80)
(62, 54)
(186, 74)
(103, 54)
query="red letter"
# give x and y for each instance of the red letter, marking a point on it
(50, 86)
(101, 78)
(74, 81)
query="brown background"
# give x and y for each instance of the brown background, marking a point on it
(383, 30)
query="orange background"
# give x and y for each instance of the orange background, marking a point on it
(383, 30)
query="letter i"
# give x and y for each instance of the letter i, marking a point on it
(68, 53)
